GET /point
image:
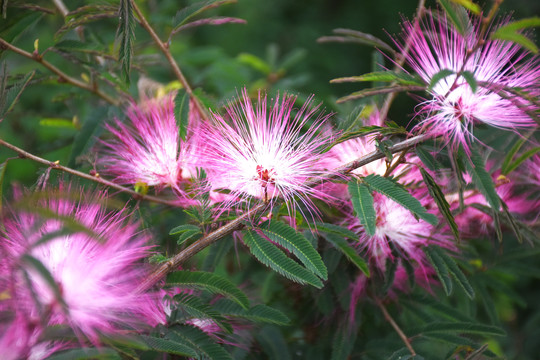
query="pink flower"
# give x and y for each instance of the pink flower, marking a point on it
(96, 266)
(496, 65)
(148, 149)
(395, 226)
(264, 154)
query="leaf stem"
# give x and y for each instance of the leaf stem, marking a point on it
(395, 326)
(55, 165)
(63, 77)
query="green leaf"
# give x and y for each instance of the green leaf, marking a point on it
(379, 90)
(469, 5)
(273, 344)
(343, 343)
(441, 269)
(382, 76)
(190, 306)
(427, 159)
(336, 229)
(199, 341)
(3, 167)
(442, 74)
(469, 78)
(87, 135)
(258, 313)
(188, 12)
(183, 228)
(169, 346)
(510, 155)
(526, 155)
(45, 274)
(391, 129)
(75, 45)
(58, 122)
(482, 179)
(208, 281)
(274, 258)
(359, 38)
(462, 328)
(15, 27)
(255, 62)
(444, 208)
(13, 94)
(187, 235)
(394, 191)
(287, 237)
(509, 32)
(125, 34)
(363, 205)
(458, 16)
(86, 354)
(181, 112)
(349, 252)
(445, 265)
(85, 15)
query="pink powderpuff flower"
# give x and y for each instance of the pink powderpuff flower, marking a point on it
(96, 269)
(473, 222)
(148, 149)
(496, 65)
(264, 154)
(395, 225)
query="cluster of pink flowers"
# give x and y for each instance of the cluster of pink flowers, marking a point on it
(497, 66)
(73, 264)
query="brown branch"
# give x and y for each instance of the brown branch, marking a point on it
(395, 326)
(63, 76)
(237, 224)
(165, 50)
(54, 165)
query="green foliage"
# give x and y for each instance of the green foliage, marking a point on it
(87, 354)
(457, 15)
(363, 205)
(271, 256)
(511, 32)
(197, 341)
(207, 281)
(391, 189)
(181, 112)
(126, 34)
(288, 238)
(350, 253)
(445, 266)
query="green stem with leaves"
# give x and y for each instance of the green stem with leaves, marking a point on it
(63, 77)
(164, 47)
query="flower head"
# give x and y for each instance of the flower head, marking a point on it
(497, 66)
(262, 153)
(148, 149)
(94, 265)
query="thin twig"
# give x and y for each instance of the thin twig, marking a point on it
(165, 50)
(237, 224)
(395, 326)
(400, 59)
(62, 75)
(54, 165)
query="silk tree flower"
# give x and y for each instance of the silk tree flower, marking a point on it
(263, 153)
(147, 148)
(435, 45)
(96, 270)
(395, 226)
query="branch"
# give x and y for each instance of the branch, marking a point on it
(165, 50)
(400, 59)
(63, 76)
(54, 165)
(238, 223)
(395, 326)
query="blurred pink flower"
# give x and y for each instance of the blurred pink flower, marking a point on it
(264, 154)
(147, 148)
(435, 45)
(93, 256)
